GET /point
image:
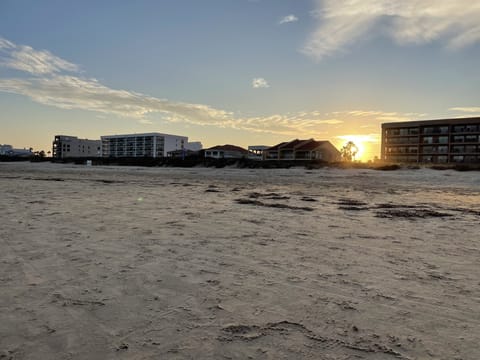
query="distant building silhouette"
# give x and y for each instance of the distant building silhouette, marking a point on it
(8, 150)
(303, 150)
(65, 146)
(226, 152)
(432, 141)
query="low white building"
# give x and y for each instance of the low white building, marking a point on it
(5, 149)
(8, 150)
(65, 146)
(144, 145)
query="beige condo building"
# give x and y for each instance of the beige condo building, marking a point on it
(432, 141)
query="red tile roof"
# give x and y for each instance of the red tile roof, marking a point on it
(302, 145)
(309, 146)
(275, 147)
(228, 147)
(292, 144)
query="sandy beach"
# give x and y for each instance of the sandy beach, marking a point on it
(171, 263)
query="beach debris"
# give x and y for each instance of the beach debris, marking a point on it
(272, 205)
(410, 213)
(122, 346)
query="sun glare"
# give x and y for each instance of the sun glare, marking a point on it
(363, 144)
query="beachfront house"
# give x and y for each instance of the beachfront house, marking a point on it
(303, 150)
(226, 152)
(255, 152)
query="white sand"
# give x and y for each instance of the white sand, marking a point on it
(163, 263)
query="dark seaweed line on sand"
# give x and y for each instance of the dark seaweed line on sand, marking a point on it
(278, 206)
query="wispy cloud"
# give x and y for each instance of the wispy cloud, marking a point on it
(381, 116)
(288, 19)
(62, 86)
(471, 109)
(373, 138)
(36, 62)
(71, 92)
(258, 83)
(342, 22)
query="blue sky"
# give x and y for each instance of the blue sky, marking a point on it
(246, 72)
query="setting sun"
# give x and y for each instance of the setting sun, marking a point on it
(366, 145)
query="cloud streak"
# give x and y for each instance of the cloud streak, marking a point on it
(70, 92)
(342, 22)
(471, 109)
(35, 62)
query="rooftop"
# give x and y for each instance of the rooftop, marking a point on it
(466, 120)
(228, 147)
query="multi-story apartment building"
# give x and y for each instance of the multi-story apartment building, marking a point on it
(143, 145)
(72, 147)
(432, 141)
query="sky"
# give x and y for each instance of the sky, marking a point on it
(243, 72)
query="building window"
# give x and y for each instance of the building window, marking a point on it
(443, 139)
(470, 149)
(435, 130)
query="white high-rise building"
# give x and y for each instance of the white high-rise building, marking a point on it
(142, 145)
